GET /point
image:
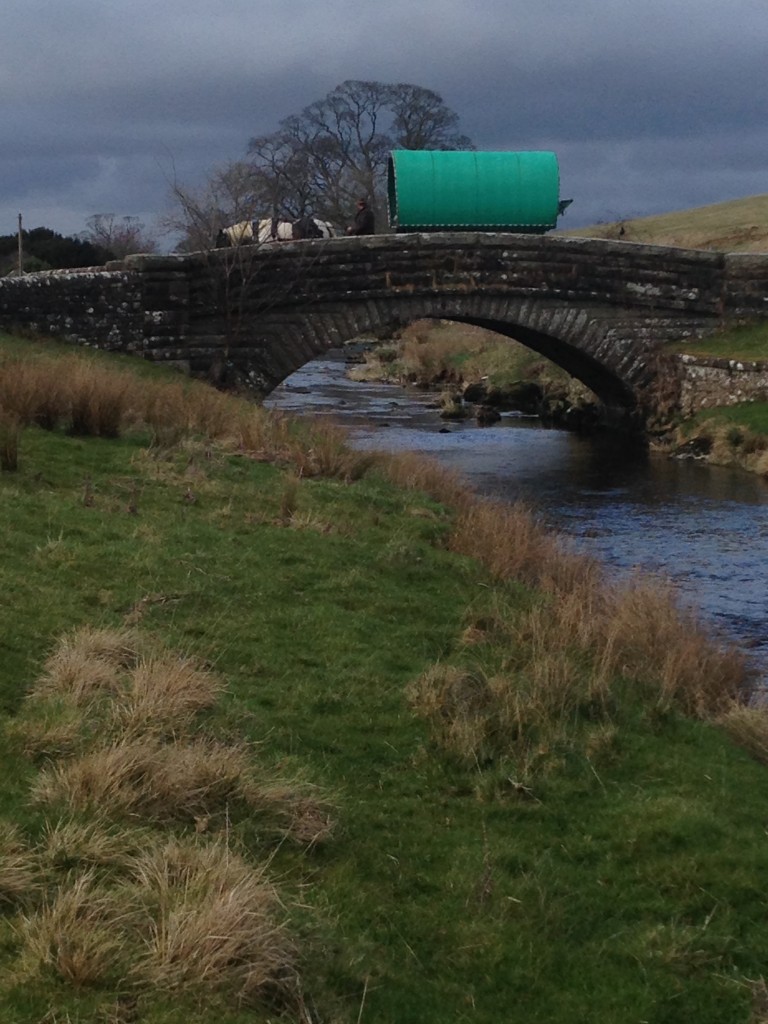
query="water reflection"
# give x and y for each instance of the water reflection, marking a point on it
(705, 528)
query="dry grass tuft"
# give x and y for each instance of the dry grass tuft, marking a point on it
(289, 499)
(50, 727)
(19, 866)
(458, 705)
(677, 662)
(108, 900)
(110, 682)
(413, 472)
(165, 693)
(92, 844)
(121, 734)
(214, 921)
(572, 657)
(636, 629)
(120, 647)
(170, 913)
(77, 934)
(265, 435)
(324, 451)
(511, 544)
(144, 778)
(78, 675)
(748, 726)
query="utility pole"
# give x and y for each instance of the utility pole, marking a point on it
(21, 251)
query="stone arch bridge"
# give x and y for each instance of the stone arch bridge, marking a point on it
(602, 310)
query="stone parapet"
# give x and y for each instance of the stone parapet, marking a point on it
(94, 307)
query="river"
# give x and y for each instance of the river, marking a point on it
(704, 528)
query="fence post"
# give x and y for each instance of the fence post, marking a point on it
(21, 251)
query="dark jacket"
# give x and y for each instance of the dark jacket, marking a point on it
(364, 223)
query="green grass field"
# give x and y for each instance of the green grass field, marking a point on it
(560, 833)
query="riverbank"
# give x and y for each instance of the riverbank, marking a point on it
(468, 771)
(477, 374)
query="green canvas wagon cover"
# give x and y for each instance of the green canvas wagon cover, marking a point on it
(450, 190)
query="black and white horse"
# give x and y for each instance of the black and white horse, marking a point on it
(249, 232)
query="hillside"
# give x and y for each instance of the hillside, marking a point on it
(740, 225)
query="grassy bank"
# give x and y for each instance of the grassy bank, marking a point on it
(739, 225)
(748, 342)
(294, 731)
(428, 352)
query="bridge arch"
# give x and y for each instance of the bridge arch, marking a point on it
(556, 331)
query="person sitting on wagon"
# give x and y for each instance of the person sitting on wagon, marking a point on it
(363, 223)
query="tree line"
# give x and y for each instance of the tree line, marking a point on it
(107, 237)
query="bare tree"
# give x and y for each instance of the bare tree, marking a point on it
(336, 149)
(235, 283)
(232, 194)
(318, 162)
(119, 235)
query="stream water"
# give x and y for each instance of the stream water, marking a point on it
(704, 528)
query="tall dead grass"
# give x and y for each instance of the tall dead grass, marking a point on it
(322, 449)
(573, 656)
(75, 392)
(637, 629)
(747, 725)
(413, 472)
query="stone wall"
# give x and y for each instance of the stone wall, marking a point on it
(708, 382)
(96, 307)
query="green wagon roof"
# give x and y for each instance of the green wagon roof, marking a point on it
(434, 190)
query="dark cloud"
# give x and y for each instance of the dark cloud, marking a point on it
(650, 107)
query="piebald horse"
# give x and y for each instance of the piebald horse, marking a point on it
(249, 232)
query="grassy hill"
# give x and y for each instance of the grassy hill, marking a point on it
(740, 225)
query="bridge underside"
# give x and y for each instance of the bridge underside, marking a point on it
(598, 346)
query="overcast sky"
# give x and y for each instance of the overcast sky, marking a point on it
(651, 105)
